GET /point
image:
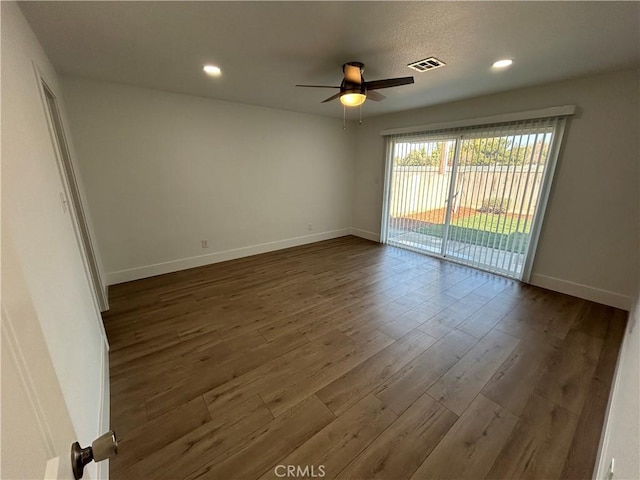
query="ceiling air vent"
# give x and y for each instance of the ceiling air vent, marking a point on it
(426, 64)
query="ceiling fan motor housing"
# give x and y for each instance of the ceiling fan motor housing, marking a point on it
(359, 65)
(353, 81)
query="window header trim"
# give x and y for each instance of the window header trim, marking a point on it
(560, 111)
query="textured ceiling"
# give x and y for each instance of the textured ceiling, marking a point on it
(265, 48)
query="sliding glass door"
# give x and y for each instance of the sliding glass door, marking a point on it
(472, 195)
(420, 192)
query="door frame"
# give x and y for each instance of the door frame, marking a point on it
(71, 198)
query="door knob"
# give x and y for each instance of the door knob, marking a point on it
(103, 447)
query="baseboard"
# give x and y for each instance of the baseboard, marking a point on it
(597, 295)
(201, 260)
(374, 237)
(105, 307)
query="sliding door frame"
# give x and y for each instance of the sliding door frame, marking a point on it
(452, 183)
(386, 193)
(558, 115)
(545, 190)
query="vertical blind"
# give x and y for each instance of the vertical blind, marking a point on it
(472, 194)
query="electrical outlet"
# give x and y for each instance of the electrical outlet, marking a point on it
(205, 243)
(309, 227)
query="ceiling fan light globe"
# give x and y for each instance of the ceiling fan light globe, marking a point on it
(352, 99)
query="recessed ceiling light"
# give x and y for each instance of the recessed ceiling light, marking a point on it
(212, 70)
(503, 63)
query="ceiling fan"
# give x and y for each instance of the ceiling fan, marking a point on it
(354, 90)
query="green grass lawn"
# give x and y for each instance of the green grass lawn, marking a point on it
(488, 222)
(486, 230)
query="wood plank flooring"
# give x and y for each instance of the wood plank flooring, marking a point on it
(355, 360)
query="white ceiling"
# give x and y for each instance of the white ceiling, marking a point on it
(265, 48)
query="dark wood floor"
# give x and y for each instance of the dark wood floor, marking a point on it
(356, 361)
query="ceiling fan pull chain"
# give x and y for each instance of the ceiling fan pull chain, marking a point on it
(360, 115)
(344, 117)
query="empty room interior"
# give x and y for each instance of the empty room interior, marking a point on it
(337, 240)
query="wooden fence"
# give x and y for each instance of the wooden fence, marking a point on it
(420, 189)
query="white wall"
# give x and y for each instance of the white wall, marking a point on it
(621, 433)
(164, 171)
(588, 247)
(45, 290)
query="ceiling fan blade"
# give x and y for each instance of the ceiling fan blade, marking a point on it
(375, 96)
(317, 86)
(333, 97)
(353, 74)
(388, 83)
